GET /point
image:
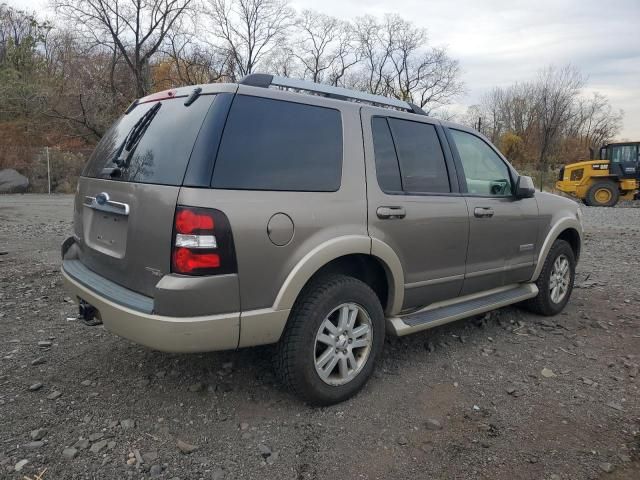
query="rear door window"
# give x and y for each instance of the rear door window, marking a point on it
(277, 145)
(387, 169)
(163, 147)
(420, 157)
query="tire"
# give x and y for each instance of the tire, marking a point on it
(545, 303)
(603, 193)
(300, 349)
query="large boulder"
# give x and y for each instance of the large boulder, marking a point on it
(12, 182)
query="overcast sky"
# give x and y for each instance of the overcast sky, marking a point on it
(499, 42)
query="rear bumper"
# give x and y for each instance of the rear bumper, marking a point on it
(131, 315)
(168, 334)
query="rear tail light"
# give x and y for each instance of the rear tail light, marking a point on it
(202, 242)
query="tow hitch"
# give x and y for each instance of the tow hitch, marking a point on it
(87, 313)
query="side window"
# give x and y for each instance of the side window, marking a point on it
(420, 157)
(276, 145)
(387, 170)
(484, 170)
(623, 153)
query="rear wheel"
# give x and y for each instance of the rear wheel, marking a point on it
(555, 282)
(602, 194)
(332, 340)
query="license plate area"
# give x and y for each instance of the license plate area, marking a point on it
(106, 232)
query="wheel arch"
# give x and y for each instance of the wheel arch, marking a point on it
(568, 229)
(370, 260)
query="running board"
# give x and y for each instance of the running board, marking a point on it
(462, 307)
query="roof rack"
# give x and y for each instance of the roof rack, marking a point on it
(265, 80)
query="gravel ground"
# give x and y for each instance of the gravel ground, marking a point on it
(509, 395)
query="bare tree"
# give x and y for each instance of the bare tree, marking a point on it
(193, 59)
(249, 30)
(595, 121)
(137, 28)
(325, 46)
(398, 62)
(557, 90)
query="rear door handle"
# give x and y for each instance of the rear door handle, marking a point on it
(390, 212)
(483, 212)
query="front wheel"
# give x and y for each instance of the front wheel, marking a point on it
(555, 282)
(332, 340)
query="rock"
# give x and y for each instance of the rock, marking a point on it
(624, 458)
(244, 426)
(227, 365)
(69, 453)
(196, 387)
(615, 406)
(218, 474)
(38, 434)
(127, 423)
(38, 361)
(433, 424)
(111, 445)
(272, 458)
(36, 444)
(44, 343)
(185, 447)
(53, 395)
(511, 390)
(402, 440)
(155, 471)
(131, 461)
(96, 436)
(607, 467)
(264, 450)
(136, 453)
(20, 465)
(150, 457)
(82, 444)
(13, 182)
(86, 383)
(547, 373)
(98, 446)
(35, 387)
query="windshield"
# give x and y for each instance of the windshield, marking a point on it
(151, 144)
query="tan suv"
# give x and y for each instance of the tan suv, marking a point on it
(312, 217)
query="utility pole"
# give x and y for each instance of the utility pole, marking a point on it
(48, 171)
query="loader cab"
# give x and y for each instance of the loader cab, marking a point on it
(624, 159)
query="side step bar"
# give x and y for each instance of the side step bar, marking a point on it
(467, 306)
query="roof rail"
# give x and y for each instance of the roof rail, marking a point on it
(265, 80)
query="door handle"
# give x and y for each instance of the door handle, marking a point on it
(483, 212)
(390, 212)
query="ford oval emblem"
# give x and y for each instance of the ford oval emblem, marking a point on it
(102, 198)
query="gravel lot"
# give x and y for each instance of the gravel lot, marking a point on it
(467, 400)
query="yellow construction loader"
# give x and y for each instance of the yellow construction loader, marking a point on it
(614, 176)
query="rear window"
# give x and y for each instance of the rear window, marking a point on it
(277, 145)
(162, 151)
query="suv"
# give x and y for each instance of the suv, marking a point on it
(278, 211)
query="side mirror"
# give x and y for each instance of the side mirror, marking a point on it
(524, 187)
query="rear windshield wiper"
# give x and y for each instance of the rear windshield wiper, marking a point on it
(125, 152)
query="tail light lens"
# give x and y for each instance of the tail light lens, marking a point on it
(202, 242)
